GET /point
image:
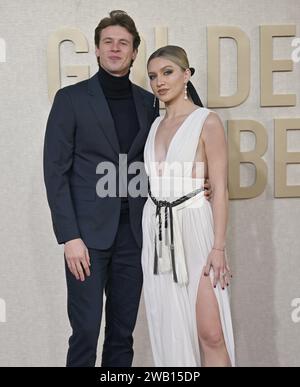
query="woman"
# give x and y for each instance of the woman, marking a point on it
(186, 273)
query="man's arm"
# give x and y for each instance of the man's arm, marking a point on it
(58, 158)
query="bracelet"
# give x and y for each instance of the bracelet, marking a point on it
(218, 249)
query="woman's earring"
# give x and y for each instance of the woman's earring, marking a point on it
(154, 101)
(185, 92)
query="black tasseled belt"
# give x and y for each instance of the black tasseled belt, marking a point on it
(168, 207)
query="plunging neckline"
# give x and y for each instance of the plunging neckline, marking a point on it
(172, 139)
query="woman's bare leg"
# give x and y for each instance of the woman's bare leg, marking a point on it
(209, 327)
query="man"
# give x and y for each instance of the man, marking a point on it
(92, 122)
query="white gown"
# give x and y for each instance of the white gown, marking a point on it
(171, 306)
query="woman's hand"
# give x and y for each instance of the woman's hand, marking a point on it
(217, 260)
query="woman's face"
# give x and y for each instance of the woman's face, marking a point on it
(167, 79)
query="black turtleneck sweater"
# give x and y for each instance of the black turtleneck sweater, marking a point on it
(118, 93)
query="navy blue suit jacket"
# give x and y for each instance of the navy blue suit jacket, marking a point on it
(80, 134)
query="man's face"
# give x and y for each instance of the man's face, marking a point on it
(115, 51)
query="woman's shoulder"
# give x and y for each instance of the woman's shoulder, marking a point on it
(204, 111)
(213, 124)
(212, 117)
(208, 117)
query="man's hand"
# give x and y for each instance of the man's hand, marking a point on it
(78, 259)
(207, 190)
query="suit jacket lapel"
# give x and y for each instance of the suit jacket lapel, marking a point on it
(141, 110)
(102, 112)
